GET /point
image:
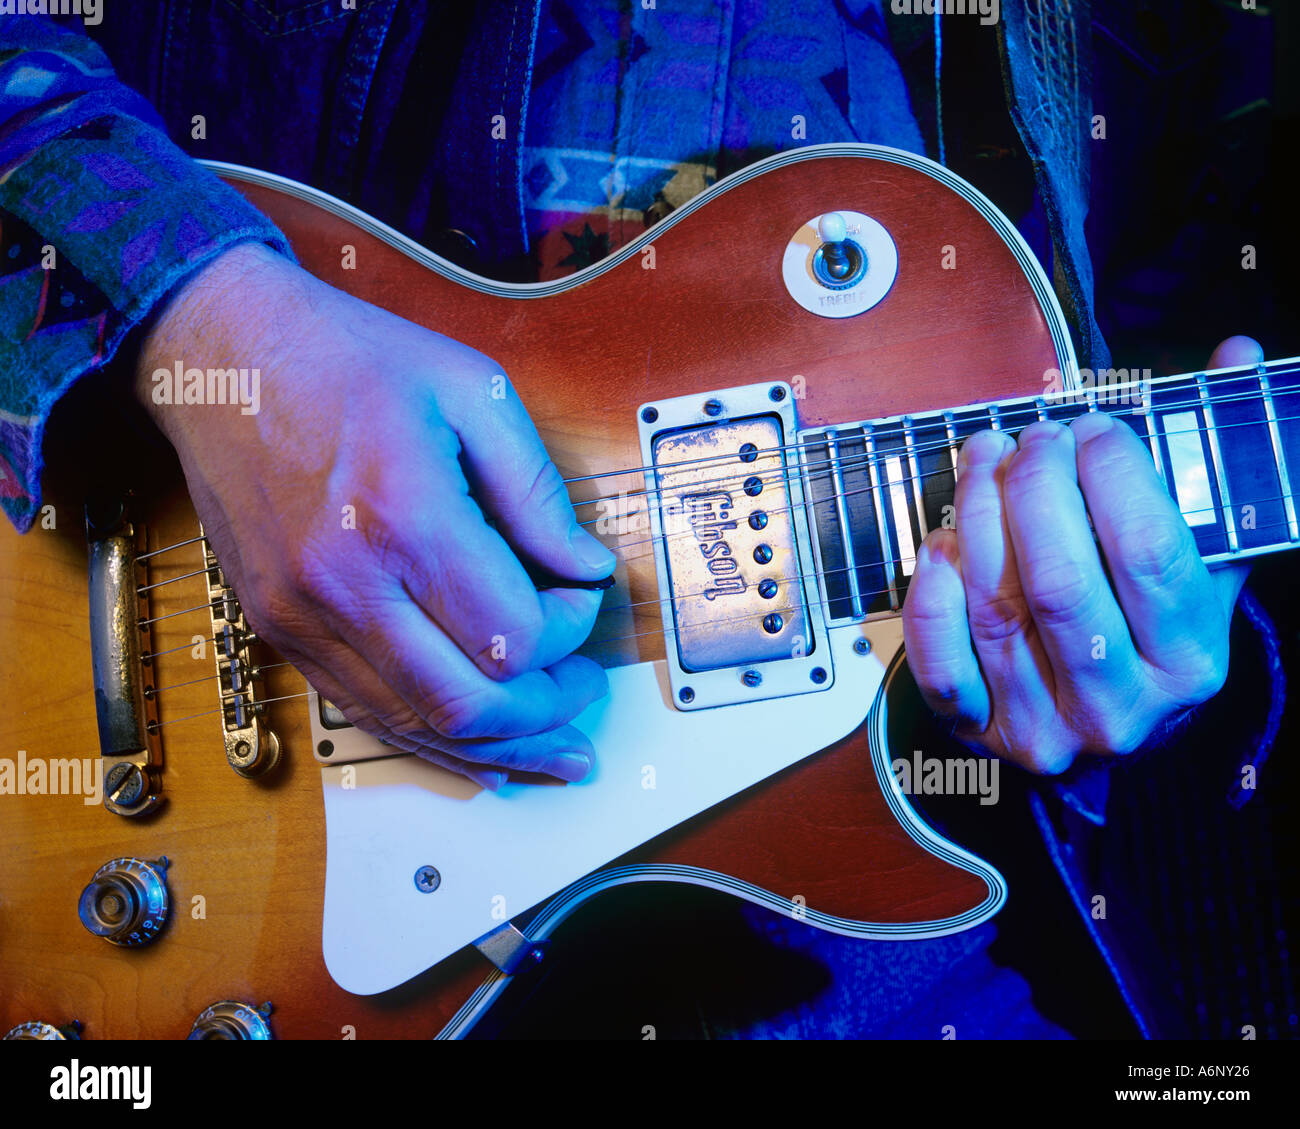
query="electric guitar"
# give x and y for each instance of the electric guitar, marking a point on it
(758, 406)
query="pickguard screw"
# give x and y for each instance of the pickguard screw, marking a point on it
(686, 694)
(862, 646)
(325, 748)
(751, 678)
(713, 407)
(776, 394)
(818, 675)
(427, 879)
(649, 415)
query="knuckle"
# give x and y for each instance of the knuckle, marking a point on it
(1038, 754)
(460, 717)
(943, 687)
(1060, 592)
(547, 489)
(1202, 674)
(1154, 553)
(1031, 472)
(1116, 735)
(928, 603)
(999, 618)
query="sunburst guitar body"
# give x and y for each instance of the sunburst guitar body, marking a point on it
(822, 307)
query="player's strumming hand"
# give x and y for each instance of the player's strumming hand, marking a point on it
(1013, 630)
(342, 512)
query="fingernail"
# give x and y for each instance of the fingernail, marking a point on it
(492, 781)
(590, 551)
(1091, 425)
(1041, 432)
(570, 766)
(983, 448)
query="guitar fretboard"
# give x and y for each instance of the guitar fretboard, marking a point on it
(1224, 444)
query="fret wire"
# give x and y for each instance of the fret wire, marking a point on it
(951, 433)
(995, 420)
(882, 525)
(1279, 458)
(914, 462)
(1216, 461)
(842, 513)
(1040, 405)
(1153, 440)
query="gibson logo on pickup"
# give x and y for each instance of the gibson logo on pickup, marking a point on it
(709, 516)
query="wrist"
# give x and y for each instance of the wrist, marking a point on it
(196, 324)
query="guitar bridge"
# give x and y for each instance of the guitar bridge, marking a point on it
(251, 748)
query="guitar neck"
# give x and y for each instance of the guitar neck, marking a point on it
(1223, 443)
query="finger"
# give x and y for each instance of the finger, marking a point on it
(1234, 351)
(1231, 353)
(937, 637)
(1166, 593)
(565, 753)
(474, 587)
(1010, 654)
(366, 719)
(1074, 610)
(455, 698)
(519, 486)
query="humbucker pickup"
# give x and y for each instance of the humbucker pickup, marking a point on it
(732, 547)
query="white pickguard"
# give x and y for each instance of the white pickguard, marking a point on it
(500, 853)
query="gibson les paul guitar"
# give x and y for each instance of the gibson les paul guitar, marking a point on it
(758, 405)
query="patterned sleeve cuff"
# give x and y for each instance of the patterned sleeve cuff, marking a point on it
(127, 215)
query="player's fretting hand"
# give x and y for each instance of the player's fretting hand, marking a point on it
(409, 610)
(1004, 612)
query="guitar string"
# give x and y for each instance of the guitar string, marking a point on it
(214, 639)
(897, 430)
(864, 596)
(916, 449)
(869, 489)
(805, 472)
(623, 545)
(1147, 409)
(1080, 397)
(254, 671)
(816, 574)
(255, 705)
